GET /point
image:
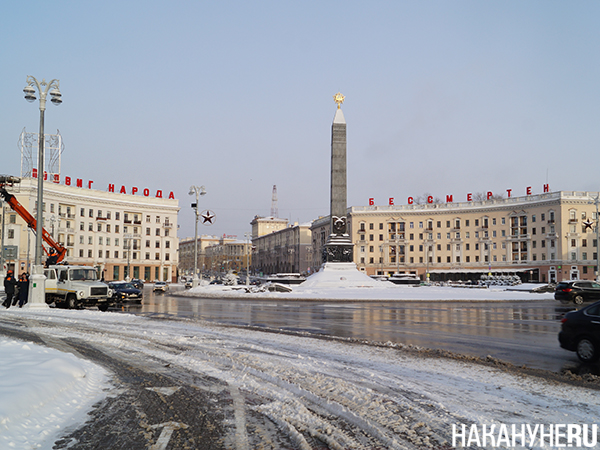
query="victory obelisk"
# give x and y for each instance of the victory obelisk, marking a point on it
(339, 247)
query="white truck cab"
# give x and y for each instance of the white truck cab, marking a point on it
(75, 287)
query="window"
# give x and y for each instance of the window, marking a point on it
(533, 217)
(380, 237)
(167, 257)
(466, 222)
(116, 253)
(411, 225)
(467, 247)
(439, 224)
(81, 226)
(411, 236)
(99, 226)
(371, 237)
(81, 239)
(89, 253)
(116, 228)
(11, 234)
(147, 231)
(157, 244)
(107, 241)
(148, 254)
(504, 221)
(158, 231)
(370, 226)
(381, 226)
(91, 213)
(108, 227)
(82, 213)
(543, 217)
(168, 244)
(448, 226)
(90, 240)
(117, 215)
(90, 226)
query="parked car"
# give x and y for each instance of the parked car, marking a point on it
(188, 283)
(123, 291)
(138, 284)
(577, 291)
(160, 286)
(580, 332)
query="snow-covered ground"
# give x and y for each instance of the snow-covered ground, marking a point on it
(42, 392)
(342, 281)
(344, 394)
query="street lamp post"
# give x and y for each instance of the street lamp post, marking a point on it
(198, 190)
(597, 202)
(37, 295)
(247, 235)
(127, 238)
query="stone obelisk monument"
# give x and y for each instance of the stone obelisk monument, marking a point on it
(339, 246)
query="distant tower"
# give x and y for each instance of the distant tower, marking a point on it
(274, 209)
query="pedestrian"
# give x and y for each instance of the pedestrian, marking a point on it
(9, 288)
(23, 284)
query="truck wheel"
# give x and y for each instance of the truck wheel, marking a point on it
(71, 301)
(103, 306)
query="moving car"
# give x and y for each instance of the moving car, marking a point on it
(160, 286)
(123, 291)
(577, 291)
(580, 332)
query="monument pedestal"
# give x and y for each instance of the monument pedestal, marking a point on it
(339, 248)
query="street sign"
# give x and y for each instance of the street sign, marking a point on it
(10, 252)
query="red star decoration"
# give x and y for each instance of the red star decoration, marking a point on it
(588, 224)
(207, 217)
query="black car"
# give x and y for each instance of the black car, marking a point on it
(577, 291)
(580, 332)
(123, 291)
(138, 284)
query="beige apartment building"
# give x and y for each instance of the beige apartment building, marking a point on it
(280, 247)
(187, 250)
(120, 234)
(545, 237)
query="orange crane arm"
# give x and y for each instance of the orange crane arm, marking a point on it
(32, 223)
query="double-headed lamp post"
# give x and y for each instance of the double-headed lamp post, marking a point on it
(596, 202)
(37, 291)
(198, 190)
(247, 235)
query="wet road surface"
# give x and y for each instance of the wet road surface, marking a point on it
(522, 333)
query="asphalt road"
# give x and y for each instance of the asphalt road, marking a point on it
(522, 333)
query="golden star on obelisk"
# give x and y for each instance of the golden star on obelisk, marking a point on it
(339, 99)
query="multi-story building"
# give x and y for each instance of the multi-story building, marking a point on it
(546, 237)
(284, 249)
(120, 234)
(187, 250)
(229, 254)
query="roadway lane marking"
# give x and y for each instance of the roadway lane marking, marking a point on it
(165, 435)
(165, 390)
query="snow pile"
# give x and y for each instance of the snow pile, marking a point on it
(343, 281)
(42, 391)
(341, 276)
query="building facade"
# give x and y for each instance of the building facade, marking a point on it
(285, 250)
(120, 234)
(229, 255)
(546, 237)
(187, 250)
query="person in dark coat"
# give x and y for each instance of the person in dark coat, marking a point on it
(23, 284)
(52, 258)
(9, 288)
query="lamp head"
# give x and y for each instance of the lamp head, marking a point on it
(29, 93)
(56, 96)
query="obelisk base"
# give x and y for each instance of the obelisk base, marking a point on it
(339, 248)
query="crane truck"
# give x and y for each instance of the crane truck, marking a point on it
(66, 285)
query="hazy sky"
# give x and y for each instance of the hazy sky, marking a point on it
(445, 97)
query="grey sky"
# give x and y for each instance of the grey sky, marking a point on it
(441, 97)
